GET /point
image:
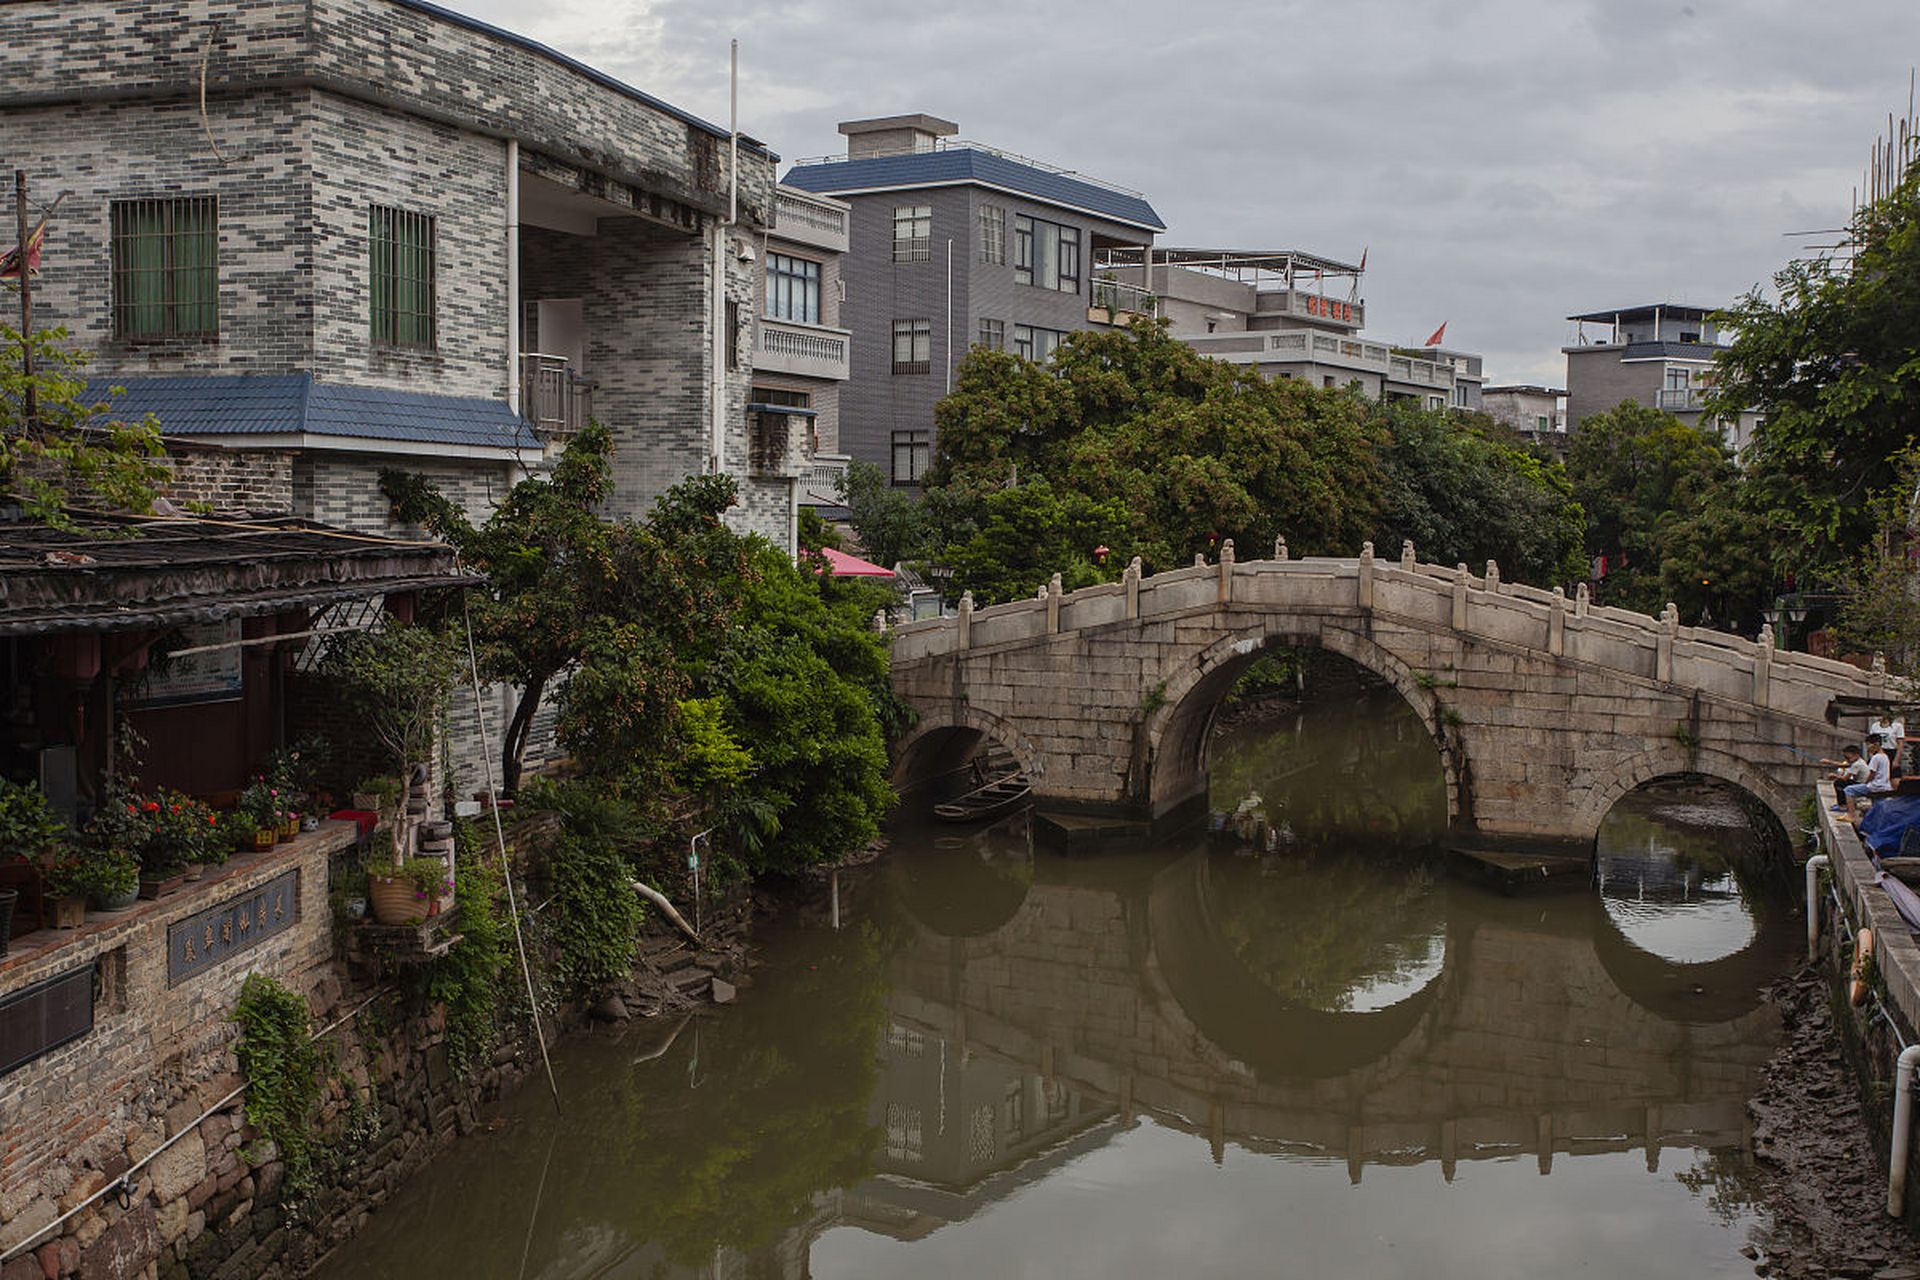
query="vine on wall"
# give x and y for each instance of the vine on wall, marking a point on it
(286, 1071)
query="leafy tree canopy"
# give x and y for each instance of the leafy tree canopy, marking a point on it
(891, 525)
(1191, 450)
(69, 449)
(1465, 491)
(1834, 365)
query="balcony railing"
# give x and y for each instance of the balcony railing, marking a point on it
(555, 399)
(795, 213)
(1682, 399)
(808, 350)
(1117, 298)
(820, 482)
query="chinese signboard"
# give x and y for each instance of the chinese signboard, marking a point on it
(199, 942)
(212, 676)
(1331, 308)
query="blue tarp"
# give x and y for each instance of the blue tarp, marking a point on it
(1888, 820)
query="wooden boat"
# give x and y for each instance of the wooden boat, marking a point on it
(995, 798)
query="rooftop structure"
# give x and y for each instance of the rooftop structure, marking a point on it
(1659, 355)
(1290, 314)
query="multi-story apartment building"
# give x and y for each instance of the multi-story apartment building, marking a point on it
(362, 233)
(1527, 407)
(1284, 313)
(955, 244)
(1660, 356)
(801, 355)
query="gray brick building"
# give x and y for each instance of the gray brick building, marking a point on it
(452, 221)
(954, 243)
(801, 354)
(331, 236)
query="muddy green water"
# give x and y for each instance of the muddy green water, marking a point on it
(1201, 1060)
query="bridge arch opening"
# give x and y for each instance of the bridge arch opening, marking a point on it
(1362, 752)
(935, 756)
(1692, 896)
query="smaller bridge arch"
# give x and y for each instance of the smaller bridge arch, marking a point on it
(946, 736)
(1673, 760)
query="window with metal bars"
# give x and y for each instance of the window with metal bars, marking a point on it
(400, 277)
(912, 346)
(166, 267)
(912, 232)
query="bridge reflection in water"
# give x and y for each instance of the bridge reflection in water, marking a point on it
(1318, 1009)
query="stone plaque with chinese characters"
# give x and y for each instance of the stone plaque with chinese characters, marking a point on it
(201, 941)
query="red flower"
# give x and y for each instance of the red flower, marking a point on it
(151, 806)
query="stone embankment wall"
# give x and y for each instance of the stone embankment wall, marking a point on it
(1874, 1033)
(159, 1068)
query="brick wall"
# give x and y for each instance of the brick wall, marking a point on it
(157, 1056)
(259, 481)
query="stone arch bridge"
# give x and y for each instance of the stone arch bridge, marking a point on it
(1544, 710)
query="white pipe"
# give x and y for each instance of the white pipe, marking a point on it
(949, 360)
(513, 274)
(659, 900)
(1814, 864)
(1902, 1129)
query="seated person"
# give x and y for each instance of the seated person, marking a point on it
(1850, 769)
(1879, 780)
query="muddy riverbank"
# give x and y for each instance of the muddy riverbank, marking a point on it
(1821, 1181)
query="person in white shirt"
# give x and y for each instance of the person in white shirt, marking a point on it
(1849, 770)
(1879, 779)
(1887, 730)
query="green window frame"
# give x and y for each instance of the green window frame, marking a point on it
(400, 277)
(166, 267)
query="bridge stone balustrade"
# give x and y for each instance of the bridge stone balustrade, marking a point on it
(1544, 708)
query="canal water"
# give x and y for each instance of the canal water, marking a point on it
(1291, 1046)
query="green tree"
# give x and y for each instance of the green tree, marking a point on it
(1881, 585)
(1029, 532)
(1465, 492)
(1657, 490)
(1192, 450)
(891, 525)
(608, 603)
(1834, 365)
(69, 448)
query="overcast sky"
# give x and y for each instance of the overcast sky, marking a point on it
(1506, 162)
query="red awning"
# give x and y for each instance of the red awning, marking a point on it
(846, 566)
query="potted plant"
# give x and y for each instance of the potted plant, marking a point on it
(62, 874)
(29, 831)
(111, 879)
(255, 815)
(182, 837)
(396, 680)
(409, 893)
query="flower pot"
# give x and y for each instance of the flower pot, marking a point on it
(7, 898)
(158, 886)
(394, 901)
(290, 828)
(196, 871)
(263, 839)
(117, 901)
(69, 912)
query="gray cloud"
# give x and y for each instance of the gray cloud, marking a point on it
(1506, 161)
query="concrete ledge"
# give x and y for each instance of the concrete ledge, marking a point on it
(1868, 906)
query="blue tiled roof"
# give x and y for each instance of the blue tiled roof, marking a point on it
(967, 164)
(296, 404)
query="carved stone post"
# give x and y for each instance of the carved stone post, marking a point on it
(1131, 580)
(1364, 583)
(1280, 547)
(966, 620)
(1493, 577)
(1763, 665)
(1226, 571)
(1557, 622)
(1663, 643)
(1199, 559)
(1408, 560)
(1052, 594)
(1877, 676)
(1582, 600)
(1460, 580)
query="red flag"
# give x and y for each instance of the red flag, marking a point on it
(1439, 335)
(10, 262)
(1363, 257)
